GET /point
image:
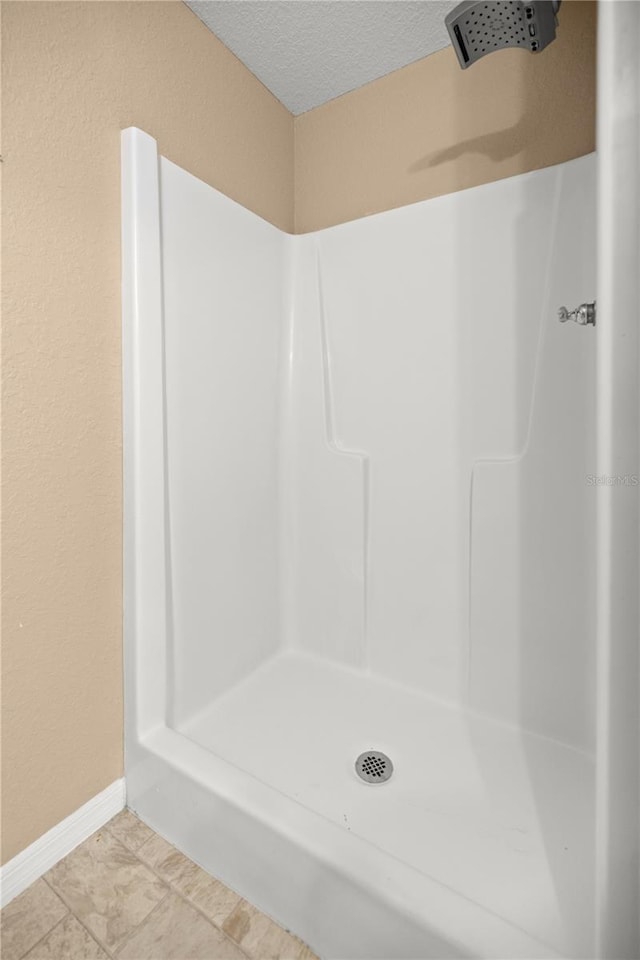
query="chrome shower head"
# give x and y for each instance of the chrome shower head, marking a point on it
(478, 28)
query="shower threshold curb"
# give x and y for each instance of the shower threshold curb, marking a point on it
(286, 859)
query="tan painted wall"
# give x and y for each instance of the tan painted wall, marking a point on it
(431, 128)
(75, 74)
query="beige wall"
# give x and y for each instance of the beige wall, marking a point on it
(74, 74)
(432, 128)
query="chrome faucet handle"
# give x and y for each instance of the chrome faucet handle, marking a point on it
(584, 314)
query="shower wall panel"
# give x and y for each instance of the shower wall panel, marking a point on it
(223, 276)
(391, 388)
(442, 441)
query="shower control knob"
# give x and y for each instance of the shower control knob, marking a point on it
(584, 314)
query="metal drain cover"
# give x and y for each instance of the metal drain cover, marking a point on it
(373, 766)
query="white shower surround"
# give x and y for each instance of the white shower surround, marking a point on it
(357, 516)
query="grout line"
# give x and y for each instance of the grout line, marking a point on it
(126, 845)
(45, 935)
(132, 933)
(79, 919)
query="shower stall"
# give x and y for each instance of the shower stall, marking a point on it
(368, 510)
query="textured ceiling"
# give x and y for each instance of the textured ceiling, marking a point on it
(310, 51)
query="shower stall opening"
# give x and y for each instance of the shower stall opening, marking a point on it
(361, 518)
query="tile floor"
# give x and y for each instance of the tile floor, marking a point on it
(126, 893)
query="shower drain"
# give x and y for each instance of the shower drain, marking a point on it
(373, 766)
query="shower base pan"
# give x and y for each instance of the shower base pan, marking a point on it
(480, 844)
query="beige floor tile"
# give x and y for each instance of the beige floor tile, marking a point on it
(28, 918)
(176, 931)
(209, 894)
(69, 940)
(129, 830)
(107, 888)
(260, 937)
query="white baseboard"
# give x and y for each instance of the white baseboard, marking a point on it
(42, 854)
